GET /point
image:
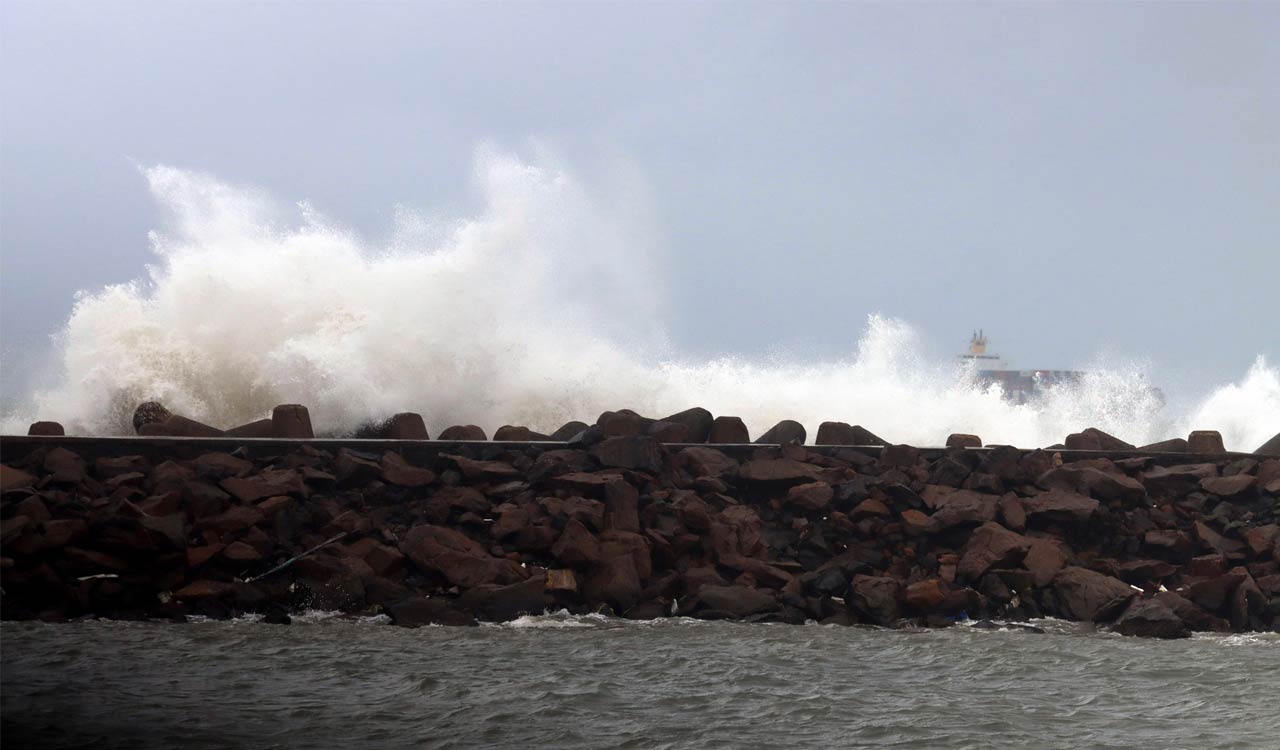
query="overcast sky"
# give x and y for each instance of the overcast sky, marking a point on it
(1074, 178)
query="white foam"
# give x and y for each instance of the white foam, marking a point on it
(540, 309)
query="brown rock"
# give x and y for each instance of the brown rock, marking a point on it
(179, 426)
(1213, 593)
(835, 433)
(417, 611)
(239, 552)
(736, 601)
(46, 428)
(1145, 572)
(236, 518)
(811, 496)
(456, 557)
(518, 434)
(108, 468)
(1090, 596)
(395, 470)
(12, 479)
(991, 546)
(899, 455)
(1195, 618)
(1215, 541)
(639, 453)
(1044, 559)
(707, 462)
(1058, 506)
(149, 412)
(561, 580)
(381, 559)
(1228, 487)
(568, 430)
(1080, 441)
(262, 428)
(406, 426)
(1207, 566)
(623, 423)
(786, 432)
(1205, 441)
(65, 466)
(1269, 448)
(778, 470)
(621, 506)
(964, 507)
(959, 440)
(1176, 445)
(696, 422)
(1150, 618)
(914, 522)
(465, 432)
(1012, 514)
(728, 431)
(613, 581)
(266, 484)
(576, 547)
(1174, 544)
(1261, 540)
(1176, 480)
(874, 597)
(926, 596)
(291, 421)
(1107, 442)
(869, 508)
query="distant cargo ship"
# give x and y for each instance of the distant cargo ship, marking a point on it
(1019, 386)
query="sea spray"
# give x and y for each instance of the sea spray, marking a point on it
(540, 309)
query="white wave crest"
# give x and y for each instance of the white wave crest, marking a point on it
(540, 309)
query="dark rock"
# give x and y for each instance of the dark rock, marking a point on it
(463, 432)
(576, 547)
(810, 496)
(874, 597)
(1205, 441)
(782, 470)
(1170, 543)
(640, 453)
(518, 434)
(262, 428)
(786, 432)
(456, 557)
(622, 506)
(963, 507)
(899, 455)
(835, 433)
(728, 431)
(1090, 596)
(1150, 618)
(1229, 487)
(613, 581)
(697, 423)
(393, 469)
(1175, 445)
(65, 466)
(959, 440)
(506, 603)
(623, 423)
(405, 426)
(417, 611)
(1269, 448)
(46, 428)
(568, 430)
(991, 546)
(291, 421)
(736, 601)
(178, 426)
(1107, 442)
(1058, 506)
(149, 412)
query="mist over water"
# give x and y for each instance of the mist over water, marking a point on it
(542, 307)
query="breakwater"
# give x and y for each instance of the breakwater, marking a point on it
(1158, 543)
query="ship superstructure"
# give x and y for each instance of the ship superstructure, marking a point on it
(1018, 386)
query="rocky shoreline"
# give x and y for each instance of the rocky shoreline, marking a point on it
(641, 522)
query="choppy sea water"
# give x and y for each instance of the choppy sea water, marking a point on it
(583, 682)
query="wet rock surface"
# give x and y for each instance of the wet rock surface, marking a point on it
(639, 527)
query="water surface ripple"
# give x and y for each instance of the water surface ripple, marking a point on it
(559, 681)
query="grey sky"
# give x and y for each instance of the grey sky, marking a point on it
(1072, 177)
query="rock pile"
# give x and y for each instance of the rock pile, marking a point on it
(624, 523)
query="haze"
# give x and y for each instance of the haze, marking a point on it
(1076, 179)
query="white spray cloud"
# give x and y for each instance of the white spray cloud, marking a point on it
(540, 309)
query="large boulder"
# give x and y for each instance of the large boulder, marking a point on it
(1058, 506)
(696, 423)
(728, 431)
(735, 601)
(1090, 596)
(417, 611)
(463, 432)
(991, 546)
(630, 452)
(291, 421)
(963, 507)
(810, 496)
(457, 558)
(786, 432)
(1150, 618)
(874, 598)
